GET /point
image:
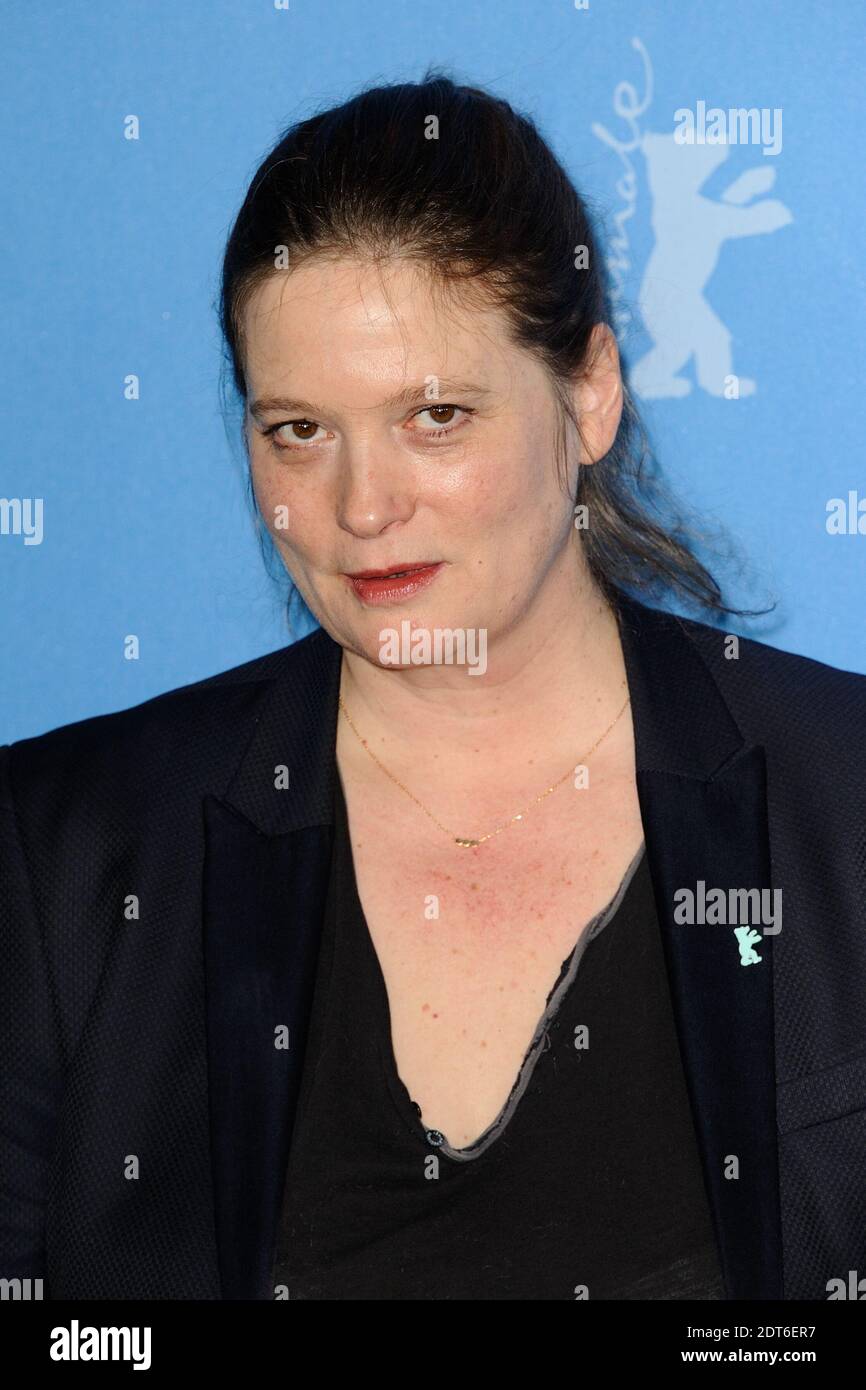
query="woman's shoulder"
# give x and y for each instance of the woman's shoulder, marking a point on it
(781, 696)
(201, 724)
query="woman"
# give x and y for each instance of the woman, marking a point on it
(440, 954)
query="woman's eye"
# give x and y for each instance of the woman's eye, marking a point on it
(301, 432)
(442, 418)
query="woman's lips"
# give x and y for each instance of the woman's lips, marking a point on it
(390, 588)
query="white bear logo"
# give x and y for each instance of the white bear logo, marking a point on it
(690, 230)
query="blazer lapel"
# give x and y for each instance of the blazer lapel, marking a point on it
(267, 855)
(703, 804)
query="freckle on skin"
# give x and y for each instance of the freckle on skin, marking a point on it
(483, 1043)
(435, 1015)
(424, 1007)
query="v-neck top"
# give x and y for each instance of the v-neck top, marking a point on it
(587, 1184)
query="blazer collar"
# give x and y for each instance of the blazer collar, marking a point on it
(703, 805)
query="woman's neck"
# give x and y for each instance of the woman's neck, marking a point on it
(554, 677)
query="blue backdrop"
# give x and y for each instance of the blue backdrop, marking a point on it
(736, 265)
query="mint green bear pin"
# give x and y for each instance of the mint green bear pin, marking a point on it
(747, 939)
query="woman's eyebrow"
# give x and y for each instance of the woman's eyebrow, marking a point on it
(409, 395)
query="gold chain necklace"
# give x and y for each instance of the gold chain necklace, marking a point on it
(465, 840)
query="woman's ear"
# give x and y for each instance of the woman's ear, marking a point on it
(598, 396)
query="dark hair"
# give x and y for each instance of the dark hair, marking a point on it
(454, 178)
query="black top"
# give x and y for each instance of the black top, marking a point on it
(587, 1184)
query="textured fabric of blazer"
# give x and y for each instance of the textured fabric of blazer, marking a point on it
(161, 901)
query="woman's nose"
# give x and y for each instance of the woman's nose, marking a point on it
(375, 488)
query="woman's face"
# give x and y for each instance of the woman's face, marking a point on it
(389, 425)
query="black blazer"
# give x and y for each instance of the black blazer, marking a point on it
(162, 898)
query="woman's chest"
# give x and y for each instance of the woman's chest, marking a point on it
(470, 944)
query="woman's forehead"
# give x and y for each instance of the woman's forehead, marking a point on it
(372, 295)
(374, 322)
